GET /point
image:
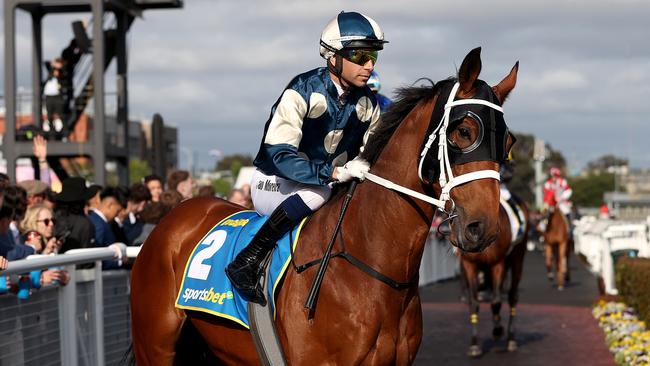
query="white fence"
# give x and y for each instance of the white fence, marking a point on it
(602, 241)
(59, 325)
(438, 261)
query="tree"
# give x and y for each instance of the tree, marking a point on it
(589, 190)
(138, 169)
(604, 162)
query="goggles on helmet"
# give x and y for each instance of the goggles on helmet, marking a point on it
(359, 56)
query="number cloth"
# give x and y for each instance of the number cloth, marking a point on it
(206, 288)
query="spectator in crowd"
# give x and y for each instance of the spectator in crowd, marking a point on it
(171, 198)
(35, 190)
(93, 202)
(49, 199)
(9, 248)
(4, 263)
(16, 197)
(113, 200)
(238, 196)
(206, 191)
(152, 214)
(69, 213)
(39, 148)
(54, 99)
(181, 181)
(38, 230)
(155, 185)
(40, 219)
(129, 218)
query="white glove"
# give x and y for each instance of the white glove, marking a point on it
(356, 168)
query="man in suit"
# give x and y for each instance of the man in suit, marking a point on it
(113, 200)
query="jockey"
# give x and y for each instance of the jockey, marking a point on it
(313, 137)
(506, 172)
(375, 85)
(557, 192)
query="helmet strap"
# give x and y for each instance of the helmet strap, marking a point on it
(337, 70)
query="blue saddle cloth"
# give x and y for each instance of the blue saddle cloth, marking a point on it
(206, 287)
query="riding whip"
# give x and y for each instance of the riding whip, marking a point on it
(310, 304)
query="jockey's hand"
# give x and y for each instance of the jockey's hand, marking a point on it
(356, 168)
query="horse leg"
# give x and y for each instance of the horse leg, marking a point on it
(516, 270)
(471, 273)
(497, 272)
(156, 323)
(410, 335)
(570, 249)
(548, 260)
(561, 264)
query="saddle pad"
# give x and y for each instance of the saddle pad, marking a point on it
(205, 286)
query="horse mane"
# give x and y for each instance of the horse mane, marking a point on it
(406, 99)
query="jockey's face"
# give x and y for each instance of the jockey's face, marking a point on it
(353, 74)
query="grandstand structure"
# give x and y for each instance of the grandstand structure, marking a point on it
(106, 41)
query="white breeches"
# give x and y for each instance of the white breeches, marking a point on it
(269, 191)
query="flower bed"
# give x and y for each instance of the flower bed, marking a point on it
(626, 335)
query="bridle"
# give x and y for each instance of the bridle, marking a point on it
(446, 177)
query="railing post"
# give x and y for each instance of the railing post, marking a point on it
(68, 321)
(99, 314)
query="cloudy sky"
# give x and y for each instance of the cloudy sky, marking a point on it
(214, 68)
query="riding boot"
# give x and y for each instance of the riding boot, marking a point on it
(245, 271)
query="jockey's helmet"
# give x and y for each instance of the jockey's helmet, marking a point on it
(350, 30)
(555, 172)
(373, 82)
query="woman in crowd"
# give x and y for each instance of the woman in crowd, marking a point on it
(181, 181)
(155, 185)
(40, 219)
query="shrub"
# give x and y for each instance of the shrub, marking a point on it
(633, 284)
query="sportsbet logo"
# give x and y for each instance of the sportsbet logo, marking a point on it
(207, 295)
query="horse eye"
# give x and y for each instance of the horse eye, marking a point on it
(464, 132)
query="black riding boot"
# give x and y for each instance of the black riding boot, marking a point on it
(245, 272)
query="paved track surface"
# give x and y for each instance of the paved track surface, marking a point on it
(553, 327)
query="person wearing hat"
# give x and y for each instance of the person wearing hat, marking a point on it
(35, 191)
(72, 226)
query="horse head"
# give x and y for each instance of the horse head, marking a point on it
(478, 141)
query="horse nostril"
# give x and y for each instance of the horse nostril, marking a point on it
(474, 231)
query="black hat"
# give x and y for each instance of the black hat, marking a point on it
(74, 189)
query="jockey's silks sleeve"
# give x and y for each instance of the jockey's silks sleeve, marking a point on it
(310, 130)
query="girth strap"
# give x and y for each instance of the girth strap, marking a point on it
(362, 266)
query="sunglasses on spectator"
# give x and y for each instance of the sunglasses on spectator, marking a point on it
(360, 56)
(47, 221)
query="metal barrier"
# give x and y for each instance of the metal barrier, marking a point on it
(601, 241)
(60, 325)
(438, 260)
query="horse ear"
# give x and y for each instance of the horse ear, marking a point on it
(469, 70)
(507, 84)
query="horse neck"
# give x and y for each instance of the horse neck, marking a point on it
(391, 228)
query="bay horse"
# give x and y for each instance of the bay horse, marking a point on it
(360, 320)
(499, 259)
(556, 246)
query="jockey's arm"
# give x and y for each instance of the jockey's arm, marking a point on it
(282, 140)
